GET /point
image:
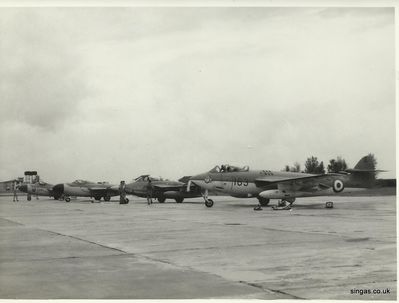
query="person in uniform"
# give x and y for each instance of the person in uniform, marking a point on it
(122, 193)
(149, 191)
(15, 189)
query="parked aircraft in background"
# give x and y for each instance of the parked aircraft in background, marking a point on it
(286, 186)
(82, 188)
(38, 189)
(162, 189)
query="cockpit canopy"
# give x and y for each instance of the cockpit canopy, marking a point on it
(145, 178)
(80, 182)
(226, 168)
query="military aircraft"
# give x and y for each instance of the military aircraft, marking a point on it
(162, 189)
(286, 186)
(39, 189)
(83, 188)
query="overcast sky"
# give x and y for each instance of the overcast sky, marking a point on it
(109, 94)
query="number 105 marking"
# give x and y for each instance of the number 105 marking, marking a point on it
(240, 182)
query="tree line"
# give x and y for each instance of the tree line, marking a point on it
(313, 166)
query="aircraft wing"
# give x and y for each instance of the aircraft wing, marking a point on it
(104, 190)
(165, 187)
(299, 183)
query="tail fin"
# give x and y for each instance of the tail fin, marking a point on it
(365, 165)
(364, 172)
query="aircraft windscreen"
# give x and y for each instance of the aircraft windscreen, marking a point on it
(216, 169)
(80, 182)
(156, 178)
(230, 168)
(146, 177)
(141, 178)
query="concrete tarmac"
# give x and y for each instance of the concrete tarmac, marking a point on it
(80, 250)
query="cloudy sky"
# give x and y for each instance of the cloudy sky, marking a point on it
(112, 93)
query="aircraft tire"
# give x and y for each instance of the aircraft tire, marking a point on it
(67, 199)
(161, 199)
(107, 198)
(98, 198)
(179, 200)
(281, 203)
(209, 203)
(263, 201)
(29, 198)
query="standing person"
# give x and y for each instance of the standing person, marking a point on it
(15, 189)
(37, 185)
(149, 191)
(122, 193)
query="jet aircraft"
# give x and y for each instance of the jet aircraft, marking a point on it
(162, 189)
(39, 189)
(286, 186)
(83, 188)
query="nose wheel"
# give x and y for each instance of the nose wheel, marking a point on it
(208, 202)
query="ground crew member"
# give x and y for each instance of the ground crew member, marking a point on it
(122, 193)
(15, 189)
(149, 191)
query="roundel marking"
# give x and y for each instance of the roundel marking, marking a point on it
(208, 179)
(338, 186)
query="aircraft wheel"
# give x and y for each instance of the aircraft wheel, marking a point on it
(282, 203)
(107, 198)
(29, 198)
(98, 198)
(263, 201)
(329, 204)
(161, 199)
(67, 199)
(209, 203)
(179, 200)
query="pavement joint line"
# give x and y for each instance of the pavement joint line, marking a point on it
(269, 290)
(80, 239)
(276, 229)
(137, 255)
(11, 221)
(66, 258)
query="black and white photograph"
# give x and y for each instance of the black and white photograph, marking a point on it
(196, 150)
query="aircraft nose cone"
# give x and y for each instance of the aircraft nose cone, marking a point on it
(23, 188)
(197, 177)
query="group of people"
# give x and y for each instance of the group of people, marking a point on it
(122, 191)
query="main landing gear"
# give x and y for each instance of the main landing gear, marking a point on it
(208, 202)
(284, 204)
(263, 201)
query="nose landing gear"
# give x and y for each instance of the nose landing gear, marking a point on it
(208, 202)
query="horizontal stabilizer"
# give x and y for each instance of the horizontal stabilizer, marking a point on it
(356, 170)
